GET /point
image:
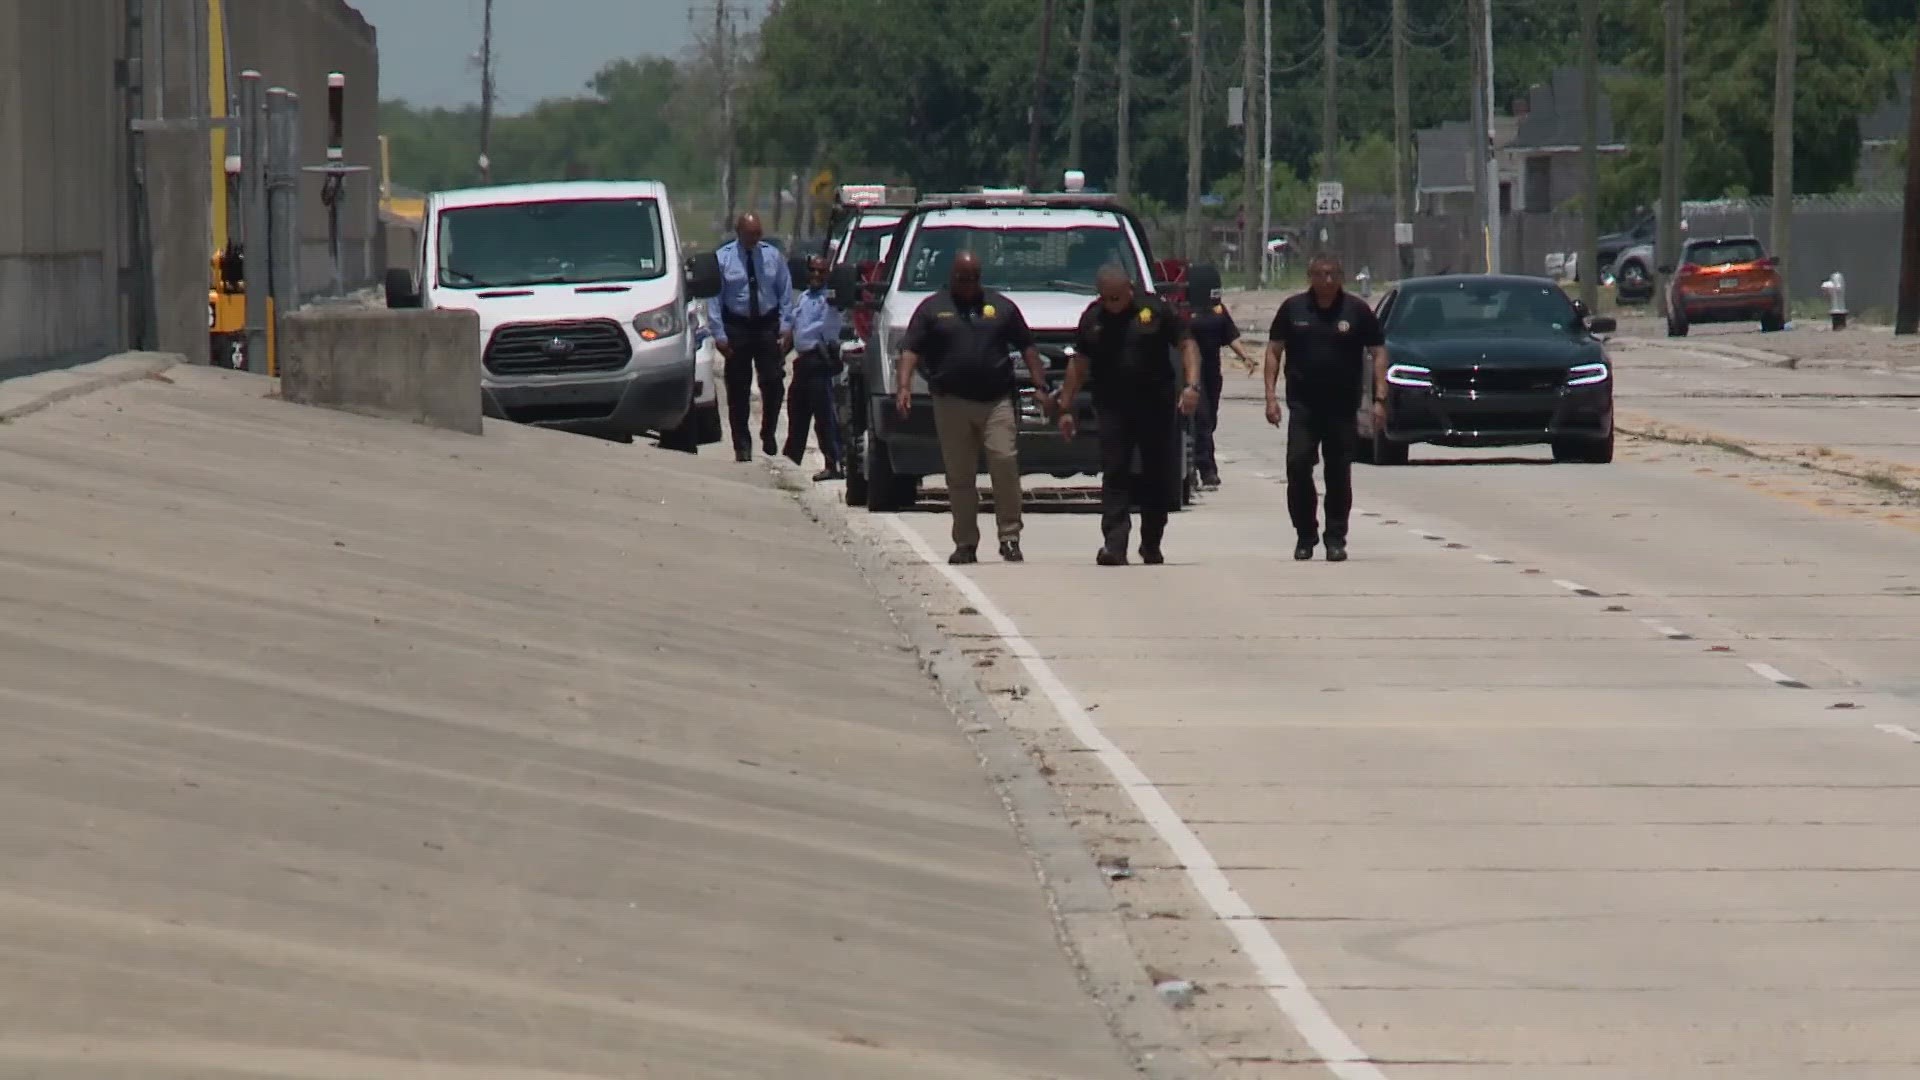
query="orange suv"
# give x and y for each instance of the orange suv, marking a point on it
(1728, 279)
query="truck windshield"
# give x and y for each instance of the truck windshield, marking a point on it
(868, 243)
(573, 242)
(1015, 259)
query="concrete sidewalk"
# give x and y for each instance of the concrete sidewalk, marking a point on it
(1854, 419)
(342, 749)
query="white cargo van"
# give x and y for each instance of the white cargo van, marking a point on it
(583, 296)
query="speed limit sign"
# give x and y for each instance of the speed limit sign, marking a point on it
(1330, 198)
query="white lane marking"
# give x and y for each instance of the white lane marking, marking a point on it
(1666, 631)
(1898, 730)
(1494, 559)
(1281, 979)
(1575, 587)
(1775, 675)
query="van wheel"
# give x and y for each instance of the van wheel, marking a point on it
(886, 490)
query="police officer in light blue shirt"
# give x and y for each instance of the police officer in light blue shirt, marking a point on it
(752, 329)
(816, 344)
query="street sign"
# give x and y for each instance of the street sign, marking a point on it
(1331, 198)
(1403, 233)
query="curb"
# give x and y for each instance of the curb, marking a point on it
(1086, 917)
(1905, 478)
(1709, 348)
(29, 394)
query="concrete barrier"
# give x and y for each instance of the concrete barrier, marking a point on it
(422, 366)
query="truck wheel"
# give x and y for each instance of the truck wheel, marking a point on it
(886, 490)
(853, 440)
(1773, 322)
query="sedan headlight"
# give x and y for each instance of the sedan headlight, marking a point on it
(1409, 375)
(661, 322)
(1587, 374)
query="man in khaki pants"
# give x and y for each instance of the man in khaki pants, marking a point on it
(963, 340)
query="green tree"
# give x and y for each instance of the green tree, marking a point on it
(1843, 71)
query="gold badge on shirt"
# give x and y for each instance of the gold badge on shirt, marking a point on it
(987, 311)
(1219, 309)
(1146, 315)
(1345, 326)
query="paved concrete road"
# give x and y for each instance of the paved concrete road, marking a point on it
(1573, 773)
(339, 749)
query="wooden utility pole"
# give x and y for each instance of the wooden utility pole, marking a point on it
(1402, 136)
(1330, 109)
(1906, 319)
(1477, 136)
(1250, 144)
(1489, 159)
(1786, 44)
(1671, 158)
(1590, 154)
(1076, 125)
(1123, 120)
(1195, 75)
(486, 94)
(1035, 116)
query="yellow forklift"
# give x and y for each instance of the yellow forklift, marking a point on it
(226, 289)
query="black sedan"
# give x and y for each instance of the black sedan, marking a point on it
(1490, 360)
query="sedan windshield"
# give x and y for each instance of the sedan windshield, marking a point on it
(1483, 308)
(573, 242)
(1011, 260)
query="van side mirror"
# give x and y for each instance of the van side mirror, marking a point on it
(400, 288)
(703, 276)
(1605, 324)
(843, 283)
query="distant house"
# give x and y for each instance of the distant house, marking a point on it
(1443, 167)
(1544, 156)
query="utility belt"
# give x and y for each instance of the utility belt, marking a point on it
(752, 324)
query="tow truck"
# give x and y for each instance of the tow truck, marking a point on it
(1043, 251)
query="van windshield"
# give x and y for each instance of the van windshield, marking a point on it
(571, 242)
(1014, 259)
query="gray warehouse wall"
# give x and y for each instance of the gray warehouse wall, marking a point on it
(62, 195)
(68, 247)
(295, 44)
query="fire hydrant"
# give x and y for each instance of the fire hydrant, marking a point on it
(1836, 289)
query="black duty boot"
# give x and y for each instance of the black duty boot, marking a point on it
(1010, 551)
(963, 556)
(1151, 554)
(1110, 557)
(1303, 549)
(1336, 549)
(742, 453)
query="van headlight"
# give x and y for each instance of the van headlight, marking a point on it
(661, 322)
(1587, 374)
(1409, 375)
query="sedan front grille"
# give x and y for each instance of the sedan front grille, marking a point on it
(1500, 380)
(556, 347)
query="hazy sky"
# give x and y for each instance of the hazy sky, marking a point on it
(542, 48)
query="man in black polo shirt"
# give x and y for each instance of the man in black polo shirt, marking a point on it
(964, 339)
(1325, 337)
(1126, 342)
